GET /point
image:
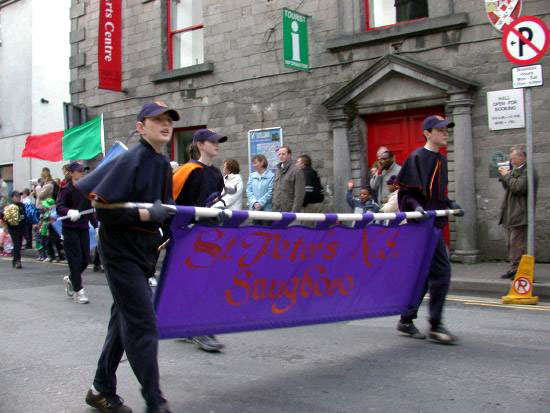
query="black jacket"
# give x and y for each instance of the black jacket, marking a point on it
(314, 190)
(71, 198)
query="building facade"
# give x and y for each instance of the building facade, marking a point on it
(376, 69)
(34, 81)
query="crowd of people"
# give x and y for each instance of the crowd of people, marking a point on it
(129, 239)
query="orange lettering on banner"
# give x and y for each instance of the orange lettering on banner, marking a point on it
(307, 287)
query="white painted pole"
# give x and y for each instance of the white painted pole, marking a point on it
(277, 216)
(530, 174)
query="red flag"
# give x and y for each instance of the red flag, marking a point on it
(46, 147)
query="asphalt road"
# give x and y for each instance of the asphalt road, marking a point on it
(49, 347)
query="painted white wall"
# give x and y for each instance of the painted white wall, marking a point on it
(34, 64)
(51, 26)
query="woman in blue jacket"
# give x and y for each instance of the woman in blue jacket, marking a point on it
(259, 189)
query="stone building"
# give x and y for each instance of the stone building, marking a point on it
(376, 70)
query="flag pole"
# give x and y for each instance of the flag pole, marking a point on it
(102, 137)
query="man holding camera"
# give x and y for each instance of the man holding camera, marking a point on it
(513, 216)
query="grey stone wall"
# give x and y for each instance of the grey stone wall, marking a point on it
(250, 88)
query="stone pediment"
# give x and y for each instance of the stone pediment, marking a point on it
(394, 79)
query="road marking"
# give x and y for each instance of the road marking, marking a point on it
(498, 304)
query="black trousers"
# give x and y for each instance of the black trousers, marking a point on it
(54, 240)
(437, 283)
(77, 250)
(16, 234)
(128, 260)
(97, 259)
(27, 234)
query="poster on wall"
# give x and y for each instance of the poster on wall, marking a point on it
(505, 109)
(264, 142)
(109, 54)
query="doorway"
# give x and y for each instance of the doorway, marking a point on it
(401, 133)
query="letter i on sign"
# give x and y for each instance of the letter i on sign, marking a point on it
(295, 41)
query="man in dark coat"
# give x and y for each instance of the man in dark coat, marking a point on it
(513, 215)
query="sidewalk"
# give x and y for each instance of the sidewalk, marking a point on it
(481, 279)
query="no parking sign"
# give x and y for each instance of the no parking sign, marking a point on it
(526, 40)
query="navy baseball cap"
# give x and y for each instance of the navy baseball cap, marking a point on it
(207, 135)
(154, 109)
(436, 121)
(75, 167)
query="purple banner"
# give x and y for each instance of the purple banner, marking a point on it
(230, 278)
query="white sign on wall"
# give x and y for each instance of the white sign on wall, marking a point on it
(505, 109)
(527, 76)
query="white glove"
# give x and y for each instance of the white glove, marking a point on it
(73, 215)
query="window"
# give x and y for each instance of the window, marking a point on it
(181, 139)
(185, 33)
(381, 13)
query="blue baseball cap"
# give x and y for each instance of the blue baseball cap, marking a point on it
(75, 167)
(154, 109)
(436, 121)
(207, 135)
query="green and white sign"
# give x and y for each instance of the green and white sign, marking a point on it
(295, 40)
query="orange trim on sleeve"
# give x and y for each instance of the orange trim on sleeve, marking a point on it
(180, 177)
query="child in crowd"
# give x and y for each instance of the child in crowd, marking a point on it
(44, 228)
(362, 204)
(391, 205)
(14, 216)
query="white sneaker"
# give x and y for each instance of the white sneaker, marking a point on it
(68, 286)
(80, 297)
(153, 282)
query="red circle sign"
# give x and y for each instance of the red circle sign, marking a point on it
(526, 40)
(522, 285)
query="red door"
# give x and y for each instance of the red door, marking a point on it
(401, 133)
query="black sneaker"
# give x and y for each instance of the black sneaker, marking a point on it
(442, 335)
(208, 343)
(160, 409)
(509, 275)
(107, 404)
(410, 329)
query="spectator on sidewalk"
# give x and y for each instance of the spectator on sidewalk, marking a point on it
(259, 189)
(232, 197)
(289, 184)
(314, 194)
(513, 216)
(31, 216)
(386, 168)
(364, 203)
(14, 216)
(392, 205)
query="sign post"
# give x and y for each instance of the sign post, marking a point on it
(526, 41)
(295, 40)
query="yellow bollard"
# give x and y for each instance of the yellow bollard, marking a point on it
(521, 291)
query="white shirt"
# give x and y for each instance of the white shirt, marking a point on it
(233, 194)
